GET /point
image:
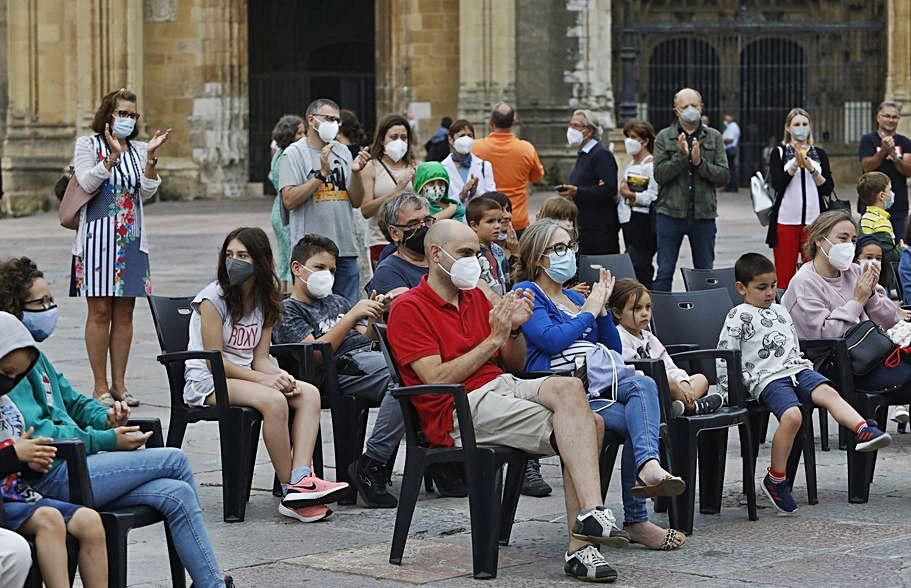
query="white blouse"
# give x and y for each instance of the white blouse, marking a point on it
(789, 212)
(643, 199)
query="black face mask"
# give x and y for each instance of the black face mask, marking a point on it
(415, 241)
(7, 383)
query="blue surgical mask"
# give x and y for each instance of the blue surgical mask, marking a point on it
(890, 199)
(40, 323)
(562, 267)
(123, 127)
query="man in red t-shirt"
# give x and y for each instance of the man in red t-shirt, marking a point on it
(445, 331)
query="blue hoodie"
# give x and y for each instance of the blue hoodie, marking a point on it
(904, 274)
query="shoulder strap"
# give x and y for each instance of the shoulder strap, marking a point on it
(380, 161)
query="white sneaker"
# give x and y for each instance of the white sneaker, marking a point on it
(900, 414)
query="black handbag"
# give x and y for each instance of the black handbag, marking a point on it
(834, 203)
(868, 346)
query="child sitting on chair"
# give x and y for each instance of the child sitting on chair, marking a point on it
(632, 307)
(776, 375)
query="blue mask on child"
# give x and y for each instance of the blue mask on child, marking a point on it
(562, 267)
(40, 323)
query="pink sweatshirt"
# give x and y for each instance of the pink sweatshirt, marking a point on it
(825, 307)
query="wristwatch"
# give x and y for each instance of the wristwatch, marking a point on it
(110, 160)
(319, 175)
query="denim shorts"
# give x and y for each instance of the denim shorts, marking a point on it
(17, 513)
(781, 394)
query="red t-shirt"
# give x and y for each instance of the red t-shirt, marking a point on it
(421, 324)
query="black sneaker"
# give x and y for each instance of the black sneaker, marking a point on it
(368, 476)
(448, 479)
(589, 565)
(534, 484)
(598, 525)
(229, 582)
(708, 404)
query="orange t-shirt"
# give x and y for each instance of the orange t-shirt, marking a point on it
(515, 163)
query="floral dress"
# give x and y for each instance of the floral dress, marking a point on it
(112, 259)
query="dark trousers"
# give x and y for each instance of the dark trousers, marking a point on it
(731, 154)
(641, 245)
(899, 220)
(670, 232)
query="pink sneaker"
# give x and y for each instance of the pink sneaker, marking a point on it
(306, 514)
(312, 490)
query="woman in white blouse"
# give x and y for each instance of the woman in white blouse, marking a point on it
(469, 175)
(800, 175)
(110, 265)
(638, 191)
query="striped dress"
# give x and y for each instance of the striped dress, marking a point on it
(110, 256)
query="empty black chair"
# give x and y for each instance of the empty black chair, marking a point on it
(707, 279)
(697, 318)
(238, 426)
(491, 500)
(620, 265)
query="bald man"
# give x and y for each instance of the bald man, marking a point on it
(445, 331)
(690, 164)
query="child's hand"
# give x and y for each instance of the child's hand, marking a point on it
(582, 288)
(37, 452)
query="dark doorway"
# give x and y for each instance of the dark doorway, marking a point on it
(306, 49)
(773, 80)
(680, 63)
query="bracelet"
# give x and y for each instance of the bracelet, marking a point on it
(514, 334)
(152, 162)
(110, 160)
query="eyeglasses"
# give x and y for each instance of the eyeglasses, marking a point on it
(427, 221)
(46, 303)
(328, 117)
(891, 116)
(561, 248)
(127, 114)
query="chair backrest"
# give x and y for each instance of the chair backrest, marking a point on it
(413, 434)
(707, 279)
(621, 266)
(383, 340)
(172, 321)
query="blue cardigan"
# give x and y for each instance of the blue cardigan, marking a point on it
(904, 274)
(549, 330)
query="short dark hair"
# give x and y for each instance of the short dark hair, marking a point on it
(16, 277)
(459, 125)
(750, 265)
(500, 198)
(643, 130)
(446, 122)
(476, 209)
(870, 185)
(314, 106)
(378, 148)
(312, 244)
(503, 120)
(105, 113)
(351, 127)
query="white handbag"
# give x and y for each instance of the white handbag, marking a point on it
(763, 198)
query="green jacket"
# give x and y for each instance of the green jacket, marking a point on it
(68, 415)
(672, 172)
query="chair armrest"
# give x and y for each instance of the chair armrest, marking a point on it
(837, 348)
(680, 347)
(216, 366)
(825, 344)
(543, 374)
(655, 369)
(434, 389)
(72, 451)
(731, 357)
(307, 361)
(149, 424)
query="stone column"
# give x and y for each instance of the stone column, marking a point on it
(590, 79)
(487, 58)
(898, 75)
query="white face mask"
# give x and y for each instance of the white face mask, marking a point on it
(320, 283)
(800, 133)
(327, 131)
(396, 149)
(573, 137)
(864, 263)
(464, 273)
(840, 255)
(463, 144)
(633, 147)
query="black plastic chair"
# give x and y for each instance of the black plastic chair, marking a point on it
(620, 265)
(238, 426)
(707, 279)
(491, 500)
(696, 318)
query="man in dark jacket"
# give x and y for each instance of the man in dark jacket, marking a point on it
(438, 145)
(593, 186)
(690, 164)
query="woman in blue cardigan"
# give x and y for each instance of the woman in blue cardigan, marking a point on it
(565, 325)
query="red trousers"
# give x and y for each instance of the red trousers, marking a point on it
(791, 239)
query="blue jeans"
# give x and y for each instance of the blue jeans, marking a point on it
(159, 478)
(347, 279)
(636, 416)
(670, 231)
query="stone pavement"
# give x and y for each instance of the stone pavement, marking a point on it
(833, 543)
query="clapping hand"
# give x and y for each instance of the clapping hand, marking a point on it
(37, 452)
(500, 320)
(469, 188)
(682, 146)
(113, 143)
(361, 160)
(523, 304)
(866, 283)
(888, 145)
(158, 139)
(695, 152)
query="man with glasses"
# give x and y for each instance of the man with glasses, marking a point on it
(407, 218)
(320, 184)
(889, 152)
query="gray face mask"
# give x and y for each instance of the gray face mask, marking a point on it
(690, 115)
(238, 271)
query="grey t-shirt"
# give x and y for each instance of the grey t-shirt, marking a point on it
(300, 319)
(328, 211)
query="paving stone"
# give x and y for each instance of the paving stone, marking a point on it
(829, 569)
(812, 533)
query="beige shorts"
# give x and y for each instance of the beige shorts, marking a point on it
(506, 412)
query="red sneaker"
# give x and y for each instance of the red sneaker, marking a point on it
(312, 490)
(306, 514)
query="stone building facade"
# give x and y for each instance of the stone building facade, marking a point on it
(219, 72)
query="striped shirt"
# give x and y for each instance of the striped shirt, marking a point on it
(876, 220)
